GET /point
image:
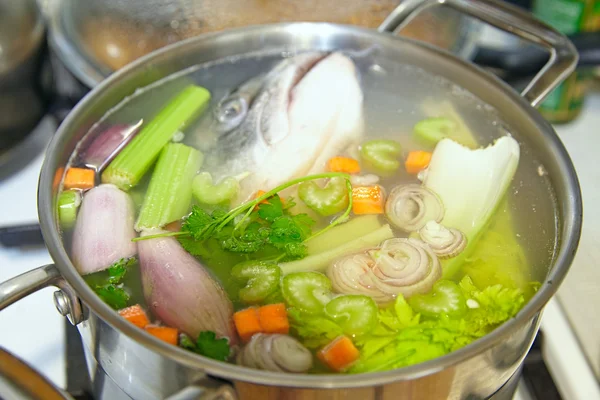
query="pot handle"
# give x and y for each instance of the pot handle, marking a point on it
(511, 19)
(30, 282)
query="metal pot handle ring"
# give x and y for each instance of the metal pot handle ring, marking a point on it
(30, 282)
(511, 19)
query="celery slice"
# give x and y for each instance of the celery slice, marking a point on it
(430, 131)
(170, 191)
(130, 165)
(68, 203)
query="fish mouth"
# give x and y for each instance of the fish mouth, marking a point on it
(233, 109)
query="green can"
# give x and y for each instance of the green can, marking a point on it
(564, 103)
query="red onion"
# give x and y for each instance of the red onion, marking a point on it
(180, 291)
(399, 266)
(410, 207)
(445, 242)
(405, 266)
(275, 352)
(350, 275)
(103, 230)
(106, 145)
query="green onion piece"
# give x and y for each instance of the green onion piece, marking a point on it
(207, 192)
(126, 170)
(355, 314)
(381, 155)
(328, 200)
(430, 131)
(169, 194)
(68, 203)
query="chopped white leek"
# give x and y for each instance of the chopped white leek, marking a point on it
(471, 184)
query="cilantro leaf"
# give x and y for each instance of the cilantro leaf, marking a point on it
(207, 345)
(304, 223)
(194, 247)
(117, 271)
(110, 289)
(113, 295)
(186, 343)
(200, 224)
(271, 210)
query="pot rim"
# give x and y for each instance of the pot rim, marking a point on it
(571, 223)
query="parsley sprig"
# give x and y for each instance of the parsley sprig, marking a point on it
(264, 221)
(207, 345)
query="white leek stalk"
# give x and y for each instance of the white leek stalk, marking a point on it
(471, 185)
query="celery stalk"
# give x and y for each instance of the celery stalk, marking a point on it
(68, 203)
(170, 191)
(130, 165)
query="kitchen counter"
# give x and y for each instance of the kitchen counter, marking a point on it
(579, 295)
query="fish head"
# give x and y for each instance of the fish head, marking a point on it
(286, 123)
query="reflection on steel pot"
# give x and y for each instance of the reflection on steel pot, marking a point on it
(95, 38)
(126, 360)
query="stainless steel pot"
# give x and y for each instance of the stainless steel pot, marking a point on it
(125, 360)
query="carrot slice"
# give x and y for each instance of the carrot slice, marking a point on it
(417, 161)
(368, 200)
(136, 315)
(339, 354)
(79, 178)
(247, 323)
(164, 333)
(343, 164)
(273, 318)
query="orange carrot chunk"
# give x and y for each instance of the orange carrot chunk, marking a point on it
(339, 354)
(273, 318)
(247, 323)
(368, 200)
(79, 178)
(417, 161)
(136, 315)
(164, 333)
(343, 164)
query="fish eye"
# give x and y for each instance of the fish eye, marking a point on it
(230, 113)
